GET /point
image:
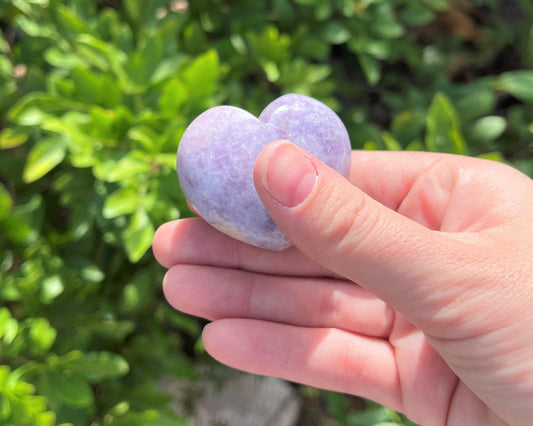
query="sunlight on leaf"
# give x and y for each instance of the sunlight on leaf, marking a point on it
(43, 157)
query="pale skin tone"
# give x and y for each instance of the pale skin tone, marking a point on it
(409, 283)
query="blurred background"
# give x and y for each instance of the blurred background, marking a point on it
(94, 97)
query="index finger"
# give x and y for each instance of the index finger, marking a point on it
(193, 241)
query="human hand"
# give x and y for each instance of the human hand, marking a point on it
(410, 284)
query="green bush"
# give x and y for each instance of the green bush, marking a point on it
(94, 97)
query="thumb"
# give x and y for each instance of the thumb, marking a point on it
(340, 227)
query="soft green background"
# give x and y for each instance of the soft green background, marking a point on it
(94, 96)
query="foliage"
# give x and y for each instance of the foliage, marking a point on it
(94, 97)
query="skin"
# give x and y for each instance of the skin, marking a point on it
(410, 283)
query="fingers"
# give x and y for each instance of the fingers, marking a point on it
(216, 293)
(193, 241)
(345, 230)
(325, 358)
(388, 176)
(446, 192)
(417, 185)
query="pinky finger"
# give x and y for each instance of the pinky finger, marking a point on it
(326, 358)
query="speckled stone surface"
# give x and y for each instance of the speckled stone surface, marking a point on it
(217, 153)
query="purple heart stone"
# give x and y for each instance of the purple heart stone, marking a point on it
(217, 153)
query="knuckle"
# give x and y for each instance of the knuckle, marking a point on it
(352, 223)
(328, 310)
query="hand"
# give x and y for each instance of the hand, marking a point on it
(410, 283)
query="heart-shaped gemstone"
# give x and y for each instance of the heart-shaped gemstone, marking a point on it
(217, 153)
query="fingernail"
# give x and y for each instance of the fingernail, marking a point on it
(289, 176)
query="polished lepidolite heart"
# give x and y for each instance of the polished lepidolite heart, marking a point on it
(217, 153)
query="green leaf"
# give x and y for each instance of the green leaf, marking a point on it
(105, 327)
(123, 415)
(9, 332)
(87, 85)
(183, 322)
(379, 49)
(271, 70)
(131, 166)
(194, 38)
(138, 236)
(12, 137)
(42, 335)
(475, 99)
(147, 137)
(166, 160)
(525, 165)
(71, 389)
(142, 64)
(408, 125)
(66, 60)
(269, 45)
(173, 96)
(92, 48)
(385, 24)
(438, 5)
(166, 68)
(415, 145)
(69, 21)
(284, 10)
(92, 274)
(371, 68)
(489, 128)
(517, 83)
(109, 91)
(443, 132)
(201, 77)
(35, 29)
(4, 372)
(416, 14)
(43, 157)
(8, 326)
(32, 108)
(371, 146)
(98, 366)
(136, 292)
(17, 227)
(5, 202)
(4, 45)
(140, 13)
(493, 156)
(337, 405)
(335, 32)
(372, 415)
(122, 201)
(390, 142)
(51, 288)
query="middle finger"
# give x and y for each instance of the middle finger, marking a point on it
(215, 293)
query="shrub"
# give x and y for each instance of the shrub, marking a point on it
(94, 97)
